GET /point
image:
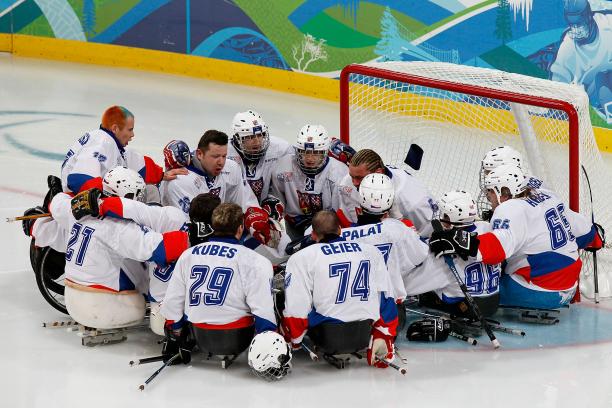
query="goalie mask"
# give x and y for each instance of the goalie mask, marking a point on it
(311, 149)
(376, 193)
(250, 135)
(269, 356)
(457, 208)
(123, 182)
(508, 176)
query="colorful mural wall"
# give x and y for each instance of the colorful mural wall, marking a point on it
(564, 40)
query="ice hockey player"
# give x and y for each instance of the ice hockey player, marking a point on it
(400, 245)
(255, 151)
(435, 282)
(412, 199)
(100, 150)
(307, 182)
(338, 293)
(220, 287)
(531, 233)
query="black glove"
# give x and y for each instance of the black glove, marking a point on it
(431, 329)
(298, 244)
(199, 232)
(28, 224)
(86, 203)
(454, 242)
(178, 342)
(487, 215)
(55, 186)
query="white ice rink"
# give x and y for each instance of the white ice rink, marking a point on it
(45, 106)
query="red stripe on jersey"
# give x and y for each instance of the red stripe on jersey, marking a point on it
(175, 242)
(297, 327)
(561, 279)
(491, 249)
(95, 182)
(101, 287)
(408, 223)
(245, 321)
(344, 221)
(153, 173)
(112, 205)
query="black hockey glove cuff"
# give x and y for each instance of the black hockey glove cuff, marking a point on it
(86, 203)
(27, 225)
(454, 242)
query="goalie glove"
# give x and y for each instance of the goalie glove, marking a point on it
(429, 329)
(381, 346)
(199, 232)
(274, 208)
(263, 229)
(341, 151)
(86, 203)
(454, 242)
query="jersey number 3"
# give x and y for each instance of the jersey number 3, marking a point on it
(361, 282)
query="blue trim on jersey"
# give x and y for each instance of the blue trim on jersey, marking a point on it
(388, 172)
(548, 262)
(111, 134)
(451, 300)
(315, 319)
(178, 324)
(262, 325)
(511, 293)
(586, 239)
(228, 240)
(251, 243)
(388, 310)
(125, 283)
(150, 298)
(76, 180)
(159, 254)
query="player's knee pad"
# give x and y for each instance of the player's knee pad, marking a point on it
(156, 319)
(224, 342)
(103, 309)
(341, 338)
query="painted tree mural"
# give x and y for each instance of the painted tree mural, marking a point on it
(503, 24)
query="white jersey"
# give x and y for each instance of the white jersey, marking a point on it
(400, 245)
(535, 238)
(412, 200)
(96, 249)
(336, 281)
(221, 284)
(229, 186)
(304, 195)
(94, 154)
(434, 275)
(259, 174)
(47, 232)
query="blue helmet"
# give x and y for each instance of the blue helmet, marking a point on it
(579, 18)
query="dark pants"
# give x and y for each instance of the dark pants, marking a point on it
(341, 338)
(224, 342)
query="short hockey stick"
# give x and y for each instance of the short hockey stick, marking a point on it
(159, 370)
(146, 360)
(392, 365)
(27, 217)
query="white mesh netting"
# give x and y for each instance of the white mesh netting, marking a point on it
(457, 128)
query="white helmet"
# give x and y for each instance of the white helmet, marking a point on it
(500, 156)
(508, 176)
(312, 139)
(459, 207)
(269, 356)
(376, 193)
(245, 125)
(123, 182)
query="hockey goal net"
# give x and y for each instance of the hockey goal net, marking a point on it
(456, 114)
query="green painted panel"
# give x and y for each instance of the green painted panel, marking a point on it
(19, 17)
(337, 34)
(507, 59)
(40, 27)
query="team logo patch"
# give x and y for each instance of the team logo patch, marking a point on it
(250, 169)
(257, 187)
(345, 190)
(309, 184)
(101, 158)
(83, 139)
(285, 177)
(310, 204)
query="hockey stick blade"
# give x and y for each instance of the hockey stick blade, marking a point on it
(392, 365)
(414, 156)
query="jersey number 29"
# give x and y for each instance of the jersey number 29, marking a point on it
(217, 285)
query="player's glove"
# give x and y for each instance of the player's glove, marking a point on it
(274, 208)
(454, 242)
(55, 187)
(177, 342)
(176, 155)
(263, 229)
(298, 244)
(198, 232)
(341, 151)
(299, 222)
(381, 347)
(429, 329)
(86, 203)
(487, 215)
(27, 225)
(598, 241)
